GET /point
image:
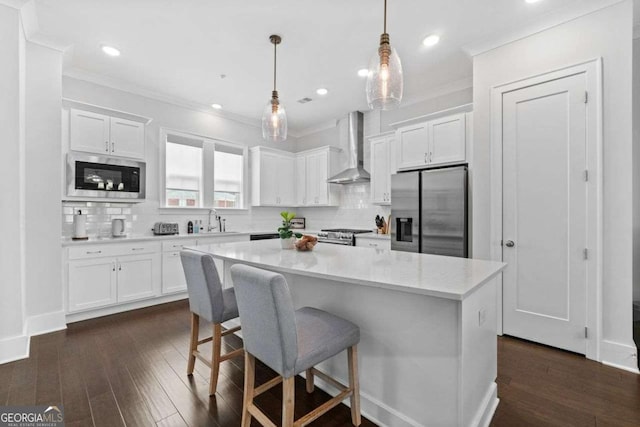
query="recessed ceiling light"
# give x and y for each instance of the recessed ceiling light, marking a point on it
(364, 72)
(110, 50)
(322, 91)
(431, 40)
(216, 106)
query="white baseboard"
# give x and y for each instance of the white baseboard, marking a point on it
(106, 311)
(621, 356)
(488, 408)
(14, 348)
(45, 323)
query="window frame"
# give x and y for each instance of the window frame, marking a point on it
(208, 174)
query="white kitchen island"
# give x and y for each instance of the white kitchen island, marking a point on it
(428, 350)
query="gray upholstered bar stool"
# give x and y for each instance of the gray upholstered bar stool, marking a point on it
(208, 300)
(289, 342)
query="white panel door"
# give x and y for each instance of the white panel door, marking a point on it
(92, 284)
(413, 146)
(447, 139)
(127, 138)
(301, 181)
(544, 213)
(89, 132)
(380, 172)
(173, 279)
(136, 276)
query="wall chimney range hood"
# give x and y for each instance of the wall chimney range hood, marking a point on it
(355, 172)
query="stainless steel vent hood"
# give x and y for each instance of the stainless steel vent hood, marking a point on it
(355, 172)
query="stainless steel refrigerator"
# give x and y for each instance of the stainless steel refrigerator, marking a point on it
(429, 211)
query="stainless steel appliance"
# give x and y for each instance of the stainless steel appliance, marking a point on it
(165, 228)
(340, 236)
(429, 211)
(355, 171)
(90, 176)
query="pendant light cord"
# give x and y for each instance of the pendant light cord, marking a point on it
(385, 16)
(275, 45)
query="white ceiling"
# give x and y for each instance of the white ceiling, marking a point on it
(179, 48)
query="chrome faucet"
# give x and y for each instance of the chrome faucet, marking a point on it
(210, 227)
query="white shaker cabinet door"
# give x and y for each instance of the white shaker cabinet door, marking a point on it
(173, 279)
(380, 171)
(413, 146)
(269, 166)
(322, 188)
(92, 284)
(285, 184)
(127, 138)
(89, 132)
(138, 276)
(447, 139)
(301, 181)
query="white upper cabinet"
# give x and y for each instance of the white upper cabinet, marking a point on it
(413, 146)
(319, 165)
(447, 139)
(103, 134)
(272, 177)
(435, 142)
(127, 138)
(90, 132)
(381, 169)
(301, 180)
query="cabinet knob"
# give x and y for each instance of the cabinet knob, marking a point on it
(509, 243)
(426, 157)
(106, 146)
(113, 147)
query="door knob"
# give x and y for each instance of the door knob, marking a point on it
(509, 243)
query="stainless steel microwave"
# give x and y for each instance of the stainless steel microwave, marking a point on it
(105, 177)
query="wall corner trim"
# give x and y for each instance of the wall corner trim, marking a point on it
(16, 348)
(619, 356)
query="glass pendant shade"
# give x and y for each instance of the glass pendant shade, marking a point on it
(384, 81)
(274, 122)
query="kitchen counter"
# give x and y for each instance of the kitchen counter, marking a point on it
(432, 275)
(93, 240)
(428, 348)
(374, 235)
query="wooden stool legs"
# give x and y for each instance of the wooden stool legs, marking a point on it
(193, 344)
(249, 410)
(216, 352)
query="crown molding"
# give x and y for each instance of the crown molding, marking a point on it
(330, 124)
(545, 22)
(121, 85)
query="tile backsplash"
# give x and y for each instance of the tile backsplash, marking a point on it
(354, 211)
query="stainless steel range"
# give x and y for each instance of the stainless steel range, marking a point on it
(340, 236)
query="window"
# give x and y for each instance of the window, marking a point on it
(203, 173)
(228, 172)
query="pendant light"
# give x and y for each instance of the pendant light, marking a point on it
(274, 118)
(384, 81)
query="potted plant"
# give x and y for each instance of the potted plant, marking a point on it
(287, 237)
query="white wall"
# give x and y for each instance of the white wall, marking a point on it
(12, 137)
(606, 33)
(636, 170)
(42, 179)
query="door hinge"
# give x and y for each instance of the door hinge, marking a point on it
(586, 175)
(586, 332)
(586, 97)
(586, 253)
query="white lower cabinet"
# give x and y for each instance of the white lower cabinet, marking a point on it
(101, 276)
(173, 279)
(373, 242)
(92, 283)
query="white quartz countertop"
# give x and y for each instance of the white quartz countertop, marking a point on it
(433, 275)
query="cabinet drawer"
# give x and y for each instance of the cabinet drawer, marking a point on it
(112, 250)
(86, 252)
(177, 245)
(373, 243)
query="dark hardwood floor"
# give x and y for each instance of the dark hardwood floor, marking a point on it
(129, 369)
